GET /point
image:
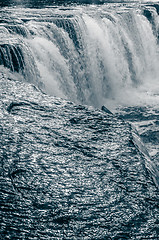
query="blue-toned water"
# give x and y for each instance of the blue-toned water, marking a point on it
(91, 54)
(60, 62)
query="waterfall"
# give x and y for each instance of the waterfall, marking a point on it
(87, 54)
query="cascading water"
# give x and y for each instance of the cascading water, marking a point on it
(87, 54)
(70, 171)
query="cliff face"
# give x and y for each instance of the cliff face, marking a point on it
(70, 171)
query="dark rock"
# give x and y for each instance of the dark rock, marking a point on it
(103, 108)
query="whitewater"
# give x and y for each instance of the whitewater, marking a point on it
(59, 65)
(89, 54)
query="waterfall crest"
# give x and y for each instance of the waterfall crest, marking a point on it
(87, 54)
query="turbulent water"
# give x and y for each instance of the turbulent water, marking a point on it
(92, 55)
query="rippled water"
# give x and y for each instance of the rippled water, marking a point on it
(71, 172)
(68, 169)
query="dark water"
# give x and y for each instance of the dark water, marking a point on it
(68, 169)
(42, 3)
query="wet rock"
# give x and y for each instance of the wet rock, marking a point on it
(103, 108)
